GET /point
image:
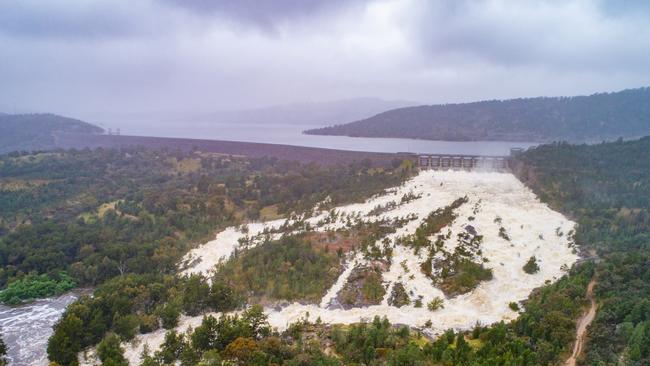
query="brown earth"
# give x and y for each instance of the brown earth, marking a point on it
(583, 324)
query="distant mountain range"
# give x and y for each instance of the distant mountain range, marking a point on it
(26, 132)
(596, 117)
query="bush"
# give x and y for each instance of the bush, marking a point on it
(531, 266)
(148, 323)
(33, 287)
(169, 315)
(110, 352)
(435, 304)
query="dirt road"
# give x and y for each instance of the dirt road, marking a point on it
(583, 323)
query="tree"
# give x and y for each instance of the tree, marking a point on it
(222, 297)
(257, 321)
(531, 266)
(65, 343)
(126, 326)
(241, 349)
(110, 352)
(195, 295)
(3, 352)
(205, 335)
(169, 315)
(171, 348)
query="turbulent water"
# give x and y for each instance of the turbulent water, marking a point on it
(497, 203)
(26, 328)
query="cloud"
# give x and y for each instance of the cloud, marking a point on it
(89, 58)
(572, 34)
(62, 19)
(263, 14)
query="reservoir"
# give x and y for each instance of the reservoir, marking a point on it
(291, 134)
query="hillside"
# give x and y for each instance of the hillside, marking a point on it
(27, 132)
(606, 189)
(603, 116)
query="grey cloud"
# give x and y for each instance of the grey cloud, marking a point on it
(264, 14)
(90, 58)
(564, 34)
(58, 19)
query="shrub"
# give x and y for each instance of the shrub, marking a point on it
(435, 304)
(531, 266)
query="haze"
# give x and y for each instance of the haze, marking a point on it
(99, 60)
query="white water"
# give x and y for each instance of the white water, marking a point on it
(530, 224)
(26, 328)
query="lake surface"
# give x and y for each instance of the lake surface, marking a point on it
(288, 134)
(26, 328)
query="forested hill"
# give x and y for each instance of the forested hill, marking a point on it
(606, 189)
(26, 132)
(603, 116)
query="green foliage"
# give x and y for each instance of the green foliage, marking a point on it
(463, 276)
(104, 213)
(435, 304)
(398, 296)
(110, 352)
(364, 343)
(373, 289)
(244, 339)
(290, 268)
(120, 220)
(606, 189)
(3, 352)
(364, 287)
(531, 266)
(196, 295)
(436, 220)
(36, 286)
(596, 117)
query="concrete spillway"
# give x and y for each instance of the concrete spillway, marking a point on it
(463, 162)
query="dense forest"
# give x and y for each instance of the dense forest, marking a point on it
(606, 189)
(98, 214)
(120, 219)
(38, 131)
(598, 117)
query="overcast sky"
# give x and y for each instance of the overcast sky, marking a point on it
(90, 58)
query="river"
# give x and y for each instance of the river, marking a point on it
(26, 328)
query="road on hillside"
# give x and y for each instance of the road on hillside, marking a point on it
(583, 323)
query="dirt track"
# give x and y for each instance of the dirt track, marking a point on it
(583, 323)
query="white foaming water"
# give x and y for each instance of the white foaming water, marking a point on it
(531, 225)
(26, 328)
